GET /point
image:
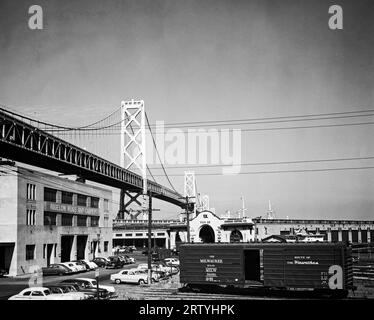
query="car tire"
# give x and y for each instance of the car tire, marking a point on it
(118, 281)
(141, 281)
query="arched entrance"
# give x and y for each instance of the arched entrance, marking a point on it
(206, 234)
(236, 236)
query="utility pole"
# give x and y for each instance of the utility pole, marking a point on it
(150, 238)
(188, 216)
(150, 209)
(188, 221)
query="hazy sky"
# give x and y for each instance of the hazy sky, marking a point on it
(211, 60)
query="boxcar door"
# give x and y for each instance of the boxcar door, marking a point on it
(252, 264)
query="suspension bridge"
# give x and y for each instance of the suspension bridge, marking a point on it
(85, 151)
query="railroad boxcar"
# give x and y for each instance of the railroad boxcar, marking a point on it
(322, 267)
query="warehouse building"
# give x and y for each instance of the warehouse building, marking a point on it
(47, 219)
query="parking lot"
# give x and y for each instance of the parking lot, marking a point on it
(11, 286)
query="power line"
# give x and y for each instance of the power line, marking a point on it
(54, 125)
(158, 154)
(260, 121)
(266, 163)
(278, 171)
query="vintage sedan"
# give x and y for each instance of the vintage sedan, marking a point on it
(56, 269)
(89, 264)
(75, 295)
(101, 262)
(172, 262)
(72, 266)
(87, 288)
(40, 293)
(131, 276)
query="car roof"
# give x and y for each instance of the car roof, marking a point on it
(35, 288)
(86, 279)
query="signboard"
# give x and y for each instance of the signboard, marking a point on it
(67, 208)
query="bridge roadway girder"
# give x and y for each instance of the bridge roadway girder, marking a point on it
(25, 143)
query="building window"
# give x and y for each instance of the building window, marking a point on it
(31, 191)
(94, 202)
(30, 251)
(67, 220)
(44, 247)
(128, 235)
(82, 200)
(67, 197)
(160, 233)
(118, 234)
(106, 243)
(106, 222)
(49, 218)
(82, 221)
(30, 217)
(106, 205)
(94, 221)
(138, 234)
(50, 194)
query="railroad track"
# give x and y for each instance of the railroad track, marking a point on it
(156, 292)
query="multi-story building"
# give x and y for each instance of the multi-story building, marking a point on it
(48, 219)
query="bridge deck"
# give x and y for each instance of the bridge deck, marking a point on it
(25, 143)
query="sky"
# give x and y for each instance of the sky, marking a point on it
(211, 60)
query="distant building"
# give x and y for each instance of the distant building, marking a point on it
(208, 227)
(353, 231)
(47, 219)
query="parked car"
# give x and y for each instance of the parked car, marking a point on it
(127, 258)
(157, 272)
(74, 288)
(156, 275)
(89, 264)
(73, 267)
(56, 269)
(56, 289)
(131, 259)
(132, 248)
(101, 262)
(123, 258)
(172, 262)
(81, 265)
(165, 268)
(115, 262)
(39, 293)
(130, 276)
(87, 288)
(170, 268)
(93, 283)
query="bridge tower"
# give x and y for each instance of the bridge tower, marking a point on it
(270, 214)
(133, 155)
(190, 189)
(204, 203)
